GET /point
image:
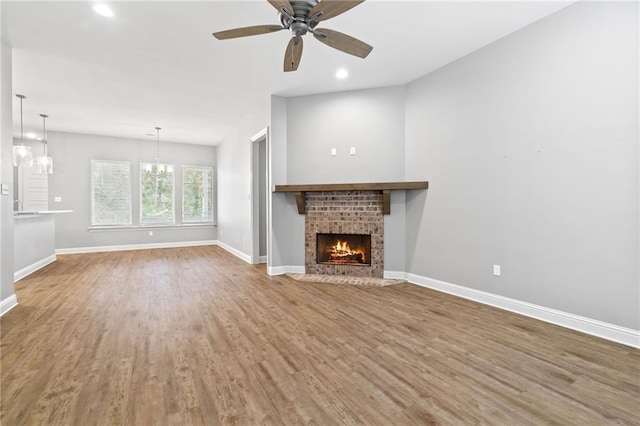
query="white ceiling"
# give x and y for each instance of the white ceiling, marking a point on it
(156, 64)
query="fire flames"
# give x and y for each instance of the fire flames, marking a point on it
(341, 252)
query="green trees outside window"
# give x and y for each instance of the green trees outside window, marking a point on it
(197, 194)
(110, 193)
(157, 194)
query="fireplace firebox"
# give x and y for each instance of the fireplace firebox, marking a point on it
(343, 249)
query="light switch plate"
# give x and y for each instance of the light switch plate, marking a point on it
(334, 151)
(5, 189)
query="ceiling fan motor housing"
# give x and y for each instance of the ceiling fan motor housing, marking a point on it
(300, 23)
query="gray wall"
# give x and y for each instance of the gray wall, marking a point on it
(531, 149)
(72, 153)
(287, 226)
(6, 173)
(370, 120)
(234, 181)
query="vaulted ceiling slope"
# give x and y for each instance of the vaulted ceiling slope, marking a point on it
(155, 63)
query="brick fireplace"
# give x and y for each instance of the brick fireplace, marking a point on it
(354, 210)
(348, 213)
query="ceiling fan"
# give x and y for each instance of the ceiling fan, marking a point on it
(301, 17)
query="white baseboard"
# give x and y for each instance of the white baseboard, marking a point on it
(7, 304)
(288, 269)
(262, 259)
(27, 270)
(626, 336)
(124, 247)
(234, 251)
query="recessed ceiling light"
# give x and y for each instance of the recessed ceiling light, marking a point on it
(103, 9)
(342, 74)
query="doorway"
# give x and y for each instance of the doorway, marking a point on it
(259, 196)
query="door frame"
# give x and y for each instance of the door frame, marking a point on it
(254, 196)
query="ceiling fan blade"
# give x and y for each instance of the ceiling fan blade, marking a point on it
(247, 31)
(282, 4)
(293, 54)
(331, 8)
(343, 42)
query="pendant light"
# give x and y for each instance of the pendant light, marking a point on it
(156, 195)
(160, 167)
(44, 162)
(158, 151)
(22, 155)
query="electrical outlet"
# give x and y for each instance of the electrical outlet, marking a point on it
(334, 151)
(352, 151)
(496, 270)
(57, 199)
(151, 233)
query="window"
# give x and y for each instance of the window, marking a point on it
(197, 194)
(156, 194)
(110, 193)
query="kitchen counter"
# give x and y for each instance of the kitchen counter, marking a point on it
(33, 240)
(29, 213)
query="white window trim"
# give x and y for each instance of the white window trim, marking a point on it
(92, 194)
(173, 195)
(147, 227)
(211, 194)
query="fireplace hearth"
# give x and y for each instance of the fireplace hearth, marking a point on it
(343, 249)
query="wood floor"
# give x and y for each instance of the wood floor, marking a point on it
(195, 336)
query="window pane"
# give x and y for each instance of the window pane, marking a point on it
(197, 194)
(110, 193)
(156, 193)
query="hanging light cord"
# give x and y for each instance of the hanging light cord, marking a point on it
(44, 133)
(22, 97)
(158, 145)
(21, 127)
(157, 197)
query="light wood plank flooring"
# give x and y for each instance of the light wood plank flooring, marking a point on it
(195, 336)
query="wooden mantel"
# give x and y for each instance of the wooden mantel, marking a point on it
(385, 187)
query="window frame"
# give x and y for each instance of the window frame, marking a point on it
(211, 195)
(142, 166)
(92, 218)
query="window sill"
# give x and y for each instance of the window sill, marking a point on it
(150, 226)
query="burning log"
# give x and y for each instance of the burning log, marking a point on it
(342, 253)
